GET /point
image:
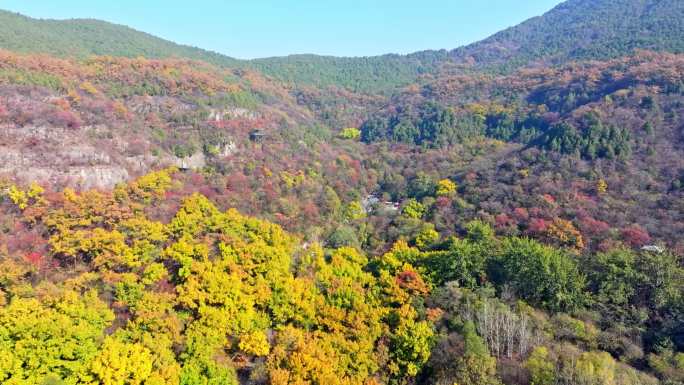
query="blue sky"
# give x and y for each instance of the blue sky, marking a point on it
(261, 28)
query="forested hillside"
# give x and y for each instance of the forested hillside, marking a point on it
(153, 284)
(375, 74)
(574, 30)
(439, 218)
(580, 30)
(575, 172)
(103, 119)
(83, 38)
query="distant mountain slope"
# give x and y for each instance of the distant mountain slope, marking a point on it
(583, 29)
(368, 74)
(574, 30)
(87, 37)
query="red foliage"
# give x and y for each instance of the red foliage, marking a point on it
(407, 276)
(164, 286)
(238, 182)
(503, 220)
(282, 219)
(61, 104)
(549, 198)
(271, 193)
(24, 240)
(197, 179)
(635, 236)
(410, 280)
(153, 120)
(64, 118)
(310, 212)
(537, 226)
(54, 197)
(355, 164)
(593, 226)
(207, 191)
(443, 202)
(521, 214)
(35, 259)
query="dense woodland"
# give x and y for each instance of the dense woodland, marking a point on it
(153, 284)
(439, 218)
(574, 30)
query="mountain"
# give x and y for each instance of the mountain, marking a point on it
(87, 37)
(582, 29)
(142, 114)
(574, 30)
(371, 74)
(170, 221)
(82, 38)
(392, 259)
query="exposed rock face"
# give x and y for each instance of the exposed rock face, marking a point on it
(66, 157)
(229, 149)
(96, 124)
(235, 112)
(85, 158)
(193, 162)
(95, 177)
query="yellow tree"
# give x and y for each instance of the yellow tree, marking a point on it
(446, 188)
(121, 363)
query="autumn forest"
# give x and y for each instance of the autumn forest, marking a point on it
(509, 212)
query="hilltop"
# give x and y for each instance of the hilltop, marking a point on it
(82, 38)
(582, 30)
(574, 30)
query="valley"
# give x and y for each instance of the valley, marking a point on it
(508, 212)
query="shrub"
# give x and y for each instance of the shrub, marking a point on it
(635, 236)
(413, 209)
(350, 133)
(542, 275)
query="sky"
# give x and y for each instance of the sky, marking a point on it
(249, 29)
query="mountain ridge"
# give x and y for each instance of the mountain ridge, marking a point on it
(17, 29)
(573, 30)
(580, 30)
